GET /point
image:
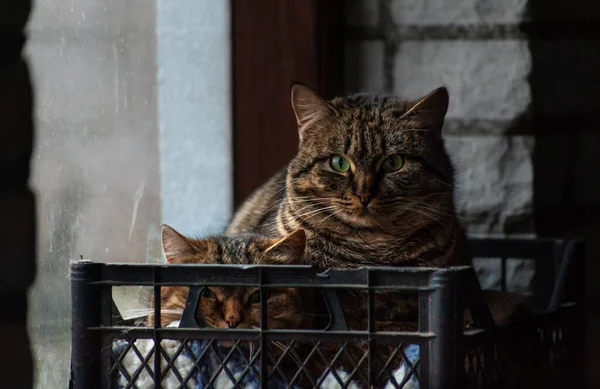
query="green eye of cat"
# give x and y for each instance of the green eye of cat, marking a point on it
(255, 297)
(207, 293)
(339, 164)
(392, 163)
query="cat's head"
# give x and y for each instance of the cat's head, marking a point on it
(237, 307)
(370, 161)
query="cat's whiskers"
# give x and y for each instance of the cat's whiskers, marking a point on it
(423, 205)
(422, 212)
(327, 217)
(316, 204)
(308, 206)
(412, 197)
(443, 182)
(376, 222)
(282, 189)
(147, 311)
(303, 199)
(436, 211)
(415, 130)
(312, 212)
(420, 201)
(276, 204)
(300, 199)
(305, 215)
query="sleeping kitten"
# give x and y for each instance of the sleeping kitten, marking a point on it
(371, 184)
(237, 307)
(287, 308)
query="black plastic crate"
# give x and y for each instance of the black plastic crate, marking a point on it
(439, 355)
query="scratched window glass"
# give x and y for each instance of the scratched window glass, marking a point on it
(120, 89)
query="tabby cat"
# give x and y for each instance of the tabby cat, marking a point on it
(371, 184)
(235, 307)
(238, 307)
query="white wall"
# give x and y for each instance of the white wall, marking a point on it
(194, 105)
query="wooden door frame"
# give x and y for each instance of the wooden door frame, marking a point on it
(274, 44)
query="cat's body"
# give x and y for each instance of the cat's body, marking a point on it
(371, 185)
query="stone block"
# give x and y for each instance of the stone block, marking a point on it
(440, 12)
(363, 13)
(486, 80)
(519, 274)
(364, 66)
(494, 182)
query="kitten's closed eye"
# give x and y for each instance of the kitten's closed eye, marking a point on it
(229, 306)
(206, 292)
(255, 297)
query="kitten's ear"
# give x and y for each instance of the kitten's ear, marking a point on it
(176, 246)
(309, 107)
(290, 247)
(431, 109)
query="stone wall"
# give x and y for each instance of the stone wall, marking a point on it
(409, 47)
(521, 74)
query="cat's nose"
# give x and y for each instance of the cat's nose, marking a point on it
(365, 198)
(232, 321)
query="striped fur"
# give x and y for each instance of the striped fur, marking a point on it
(287, 307)
(411, 219)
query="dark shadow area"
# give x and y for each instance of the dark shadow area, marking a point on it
(17, 202)
(565, 87)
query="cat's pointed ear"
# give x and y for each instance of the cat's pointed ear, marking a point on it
(176, 246)
(431, 109)
(309, 108)
(290, 248)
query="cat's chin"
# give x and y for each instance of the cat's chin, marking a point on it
(359, 219)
